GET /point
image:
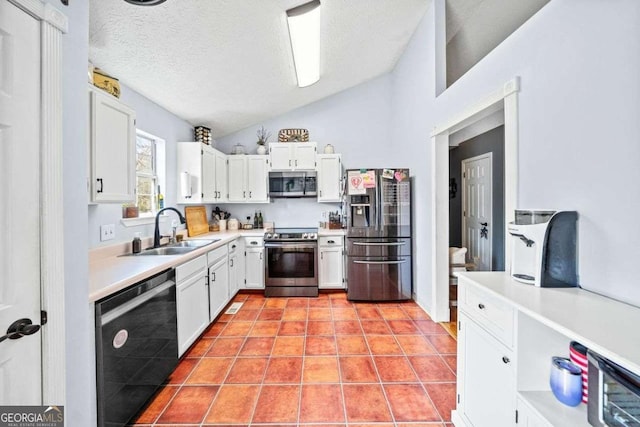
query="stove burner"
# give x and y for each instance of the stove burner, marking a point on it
(284, 234)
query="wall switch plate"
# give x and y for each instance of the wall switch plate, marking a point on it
(107, 232)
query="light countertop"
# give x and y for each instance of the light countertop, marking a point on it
(334, 232)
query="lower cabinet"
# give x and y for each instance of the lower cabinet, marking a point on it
(236, 266)
(331, 262)
(218, 280)
(254, 263)
(192, 301)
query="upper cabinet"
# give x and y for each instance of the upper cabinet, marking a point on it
(329, 177)
(248, 177)
(112, 149)
(202, 174)
(287, 156)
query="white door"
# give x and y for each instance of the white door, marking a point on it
(208, 175)
(330, 268)
(221, 177)
(329, 178)
(254, 268)
(477, 210)
(237, 174)
(20, 359)
(305, 156)
(280, 156)
(257, 176)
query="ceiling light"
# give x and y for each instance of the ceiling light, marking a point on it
(145, 2)
(304, 32)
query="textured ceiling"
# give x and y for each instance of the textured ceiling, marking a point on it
(227, 64)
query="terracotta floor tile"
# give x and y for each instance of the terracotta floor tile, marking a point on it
(368, 313)
(393, 313)
(298, 303)
(320, 314)
(443, 396)
(214, 330)
(182, 371)
(224, 318)
(288, 346)
(320, 370)
(189, 405)
(284, 370)
(199, 348)
(233, 404)
(429, 327)
(245, 315)
(236, 329)
(265, 329)
(344, 313)
(365, 403)
(351, 344)
(270, 314)
(347, 327)
(157, 404)
(394, 369)
(357, 369)
(403, 327)
(226, 347)
(257, 346)
(277, 404)
(296, 327)
(431, 368)
(319, 302)
(452, 362)
(320, 345)
(247, 370)
(340, 303)
(275, 303)
(415, 344)
(383, 345)
(294, 314)
(409, 402)
(443, 343)
(210, 370)
(377, 327)
(253, 303)
(321, 403)
(320, 328)
(416, 313)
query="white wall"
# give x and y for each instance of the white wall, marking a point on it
(579, 63)
(151, 118)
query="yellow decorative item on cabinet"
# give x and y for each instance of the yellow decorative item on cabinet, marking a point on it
(106, 82)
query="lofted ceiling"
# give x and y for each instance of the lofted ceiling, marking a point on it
(227, 64)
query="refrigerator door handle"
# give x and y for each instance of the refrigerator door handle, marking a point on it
(402, 261)
(379, 244)
(378, 202)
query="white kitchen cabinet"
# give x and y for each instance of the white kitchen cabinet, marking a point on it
(218, 280)
(254, 263)
(192, 301)
(248, 176)
(288, 156)
(329, 177)
(202, 174)
(236, 266)
(331, 262)
(112, 149)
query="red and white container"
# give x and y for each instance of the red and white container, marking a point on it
(578, 355)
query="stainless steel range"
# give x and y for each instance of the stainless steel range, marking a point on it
(291, 267)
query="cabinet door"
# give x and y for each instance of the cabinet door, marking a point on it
(304, 157)
(233, 275)
(193, 310)
(257, 176)
(254, 268)
(189, 168)
(486, 379)
(237, 176)
(208, 175)
(331, 268)
(280, 157)
(218, 287)
(113, 152)
(221, 177)
(329, 178)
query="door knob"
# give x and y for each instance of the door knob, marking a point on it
(20, 328)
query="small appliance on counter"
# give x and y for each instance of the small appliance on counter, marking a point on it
(544, 248)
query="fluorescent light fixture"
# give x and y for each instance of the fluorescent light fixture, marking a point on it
(304, 32)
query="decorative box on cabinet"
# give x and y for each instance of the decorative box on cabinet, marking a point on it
(288, 156)
(248, 176)
(112, 149)
(202, 174)
(329, 177)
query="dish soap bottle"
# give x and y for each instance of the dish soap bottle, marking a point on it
(160, 199)
(136, 243)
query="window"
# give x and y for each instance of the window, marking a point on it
(149, 172)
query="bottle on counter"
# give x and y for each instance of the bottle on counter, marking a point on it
(160, 199)
(255, 219)
(260, 223)
(136, 243)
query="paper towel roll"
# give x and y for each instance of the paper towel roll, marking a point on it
(185, 185)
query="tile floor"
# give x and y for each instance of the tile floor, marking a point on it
(312, 362)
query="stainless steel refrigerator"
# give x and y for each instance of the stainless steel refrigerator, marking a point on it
(379, 235)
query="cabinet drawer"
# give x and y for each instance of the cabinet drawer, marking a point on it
(190, 268)
(254, 242)
(330, 240)
(494, 315)
(216, 254)
(234, 247)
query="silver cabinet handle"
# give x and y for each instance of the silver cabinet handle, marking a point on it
(379, 244)
(381, 262)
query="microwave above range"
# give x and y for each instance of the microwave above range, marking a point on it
(292, 184)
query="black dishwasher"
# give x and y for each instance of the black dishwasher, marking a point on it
(136, 346)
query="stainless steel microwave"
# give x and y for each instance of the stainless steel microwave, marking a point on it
(292, 184)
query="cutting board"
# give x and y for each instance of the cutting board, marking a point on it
(196, 220)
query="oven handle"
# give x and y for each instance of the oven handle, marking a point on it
(613, 372)
(137, 301)
(402, 261)
(379, 244)
(291, 245)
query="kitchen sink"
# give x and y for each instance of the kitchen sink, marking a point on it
(178, 248)
(193, 243)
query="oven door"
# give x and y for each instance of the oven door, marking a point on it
(291, 264)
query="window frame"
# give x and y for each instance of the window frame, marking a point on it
(158, 170)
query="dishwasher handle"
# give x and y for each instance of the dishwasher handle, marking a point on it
(135, 302)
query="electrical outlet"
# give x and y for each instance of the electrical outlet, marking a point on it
(107, 232)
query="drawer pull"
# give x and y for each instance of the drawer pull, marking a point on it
(481, 306)
(331, 242)
(505, 360)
